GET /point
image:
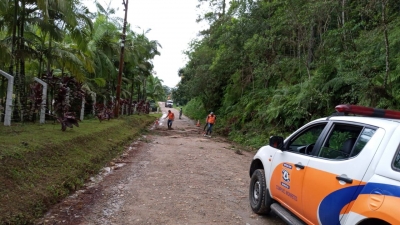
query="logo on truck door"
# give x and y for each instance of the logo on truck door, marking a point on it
(284, 186)
(285, 175)
(286, 178)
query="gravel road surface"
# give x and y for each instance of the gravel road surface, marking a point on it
(173, 176)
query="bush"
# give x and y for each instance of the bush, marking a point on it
(195, 110)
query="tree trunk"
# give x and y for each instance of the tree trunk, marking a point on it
(40, 67)
(144, 90)
(22, 62)
(384, 4)
(343, 22)
(223, 7)
(49, 57)
(14, 36)
(343, 13)
(13, 52)
(131, 101)
(49, 104)
(17, 78)
(310, 52)
(138, 93)
(2, 97)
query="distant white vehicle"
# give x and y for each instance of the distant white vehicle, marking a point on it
(169, 103)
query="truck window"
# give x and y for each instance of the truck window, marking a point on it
(365, 136)
(307, 137)
(345, 141)
(396, 161)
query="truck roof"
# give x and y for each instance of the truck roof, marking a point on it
(374, 121)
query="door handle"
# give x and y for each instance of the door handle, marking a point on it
(299, 166)
(344, 178)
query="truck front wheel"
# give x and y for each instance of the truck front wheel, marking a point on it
(260, 200)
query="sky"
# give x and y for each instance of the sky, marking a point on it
(173, 25)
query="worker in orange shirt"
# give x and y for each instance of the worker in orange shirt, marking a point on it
(171, 117)
(210, 120)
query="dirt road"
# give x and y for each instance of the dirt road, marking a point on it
(167, 177)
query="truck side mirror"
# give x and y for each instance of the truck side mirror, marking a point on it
(276, 142)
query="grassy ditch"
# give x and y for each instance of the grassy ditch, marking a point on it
(40, 164)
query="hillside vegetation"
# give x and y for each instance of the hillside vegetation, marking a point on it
(40, 165)
(268, 67)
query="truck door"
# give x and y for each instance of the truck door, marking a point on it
(332, 180)
(289, 166)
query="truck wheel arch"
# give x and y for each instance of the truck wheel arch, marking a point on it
(373, 221)
(255, 165)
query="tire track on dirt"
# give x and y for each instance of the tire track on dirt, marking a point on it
(173, 177)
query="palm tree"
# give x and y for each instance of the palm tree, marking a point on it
(59, 36)
(103, 49)
(154, 88)
(146, 50)
(50, 20)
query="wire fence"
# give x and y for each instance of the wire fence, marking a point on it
(89, 112)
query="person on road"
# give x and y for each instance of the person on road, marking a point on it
(210, 120)
(171, 117)
(205, 126)
(180, 113)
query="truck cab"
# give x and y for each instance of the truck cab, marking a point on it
(336, 170)
(169, 103)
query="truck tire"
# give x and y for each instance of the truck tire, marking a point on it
(260, 200)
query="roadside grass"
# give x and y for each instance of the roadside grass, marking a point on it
(40, 165)
(249, 134)
(195, 110)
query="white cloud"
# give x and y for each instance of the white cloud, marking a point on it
(173, 25)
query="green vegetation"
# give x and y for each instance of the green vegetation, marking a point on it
(194, 110)
(58, 41)
(77, 53)
(267, 67)
(39, 165)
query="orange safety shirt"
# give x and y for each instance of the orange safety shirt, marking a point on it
(171, 116)
(211, 119)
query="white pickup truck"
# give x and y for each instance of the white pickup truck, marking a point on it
(169, 103)
(336, 170)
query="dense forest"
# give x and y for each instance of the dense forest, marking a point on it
(267, 67)
(263, 67)
(63, 43)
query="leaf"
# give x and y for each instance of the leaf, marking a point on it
(101, 82)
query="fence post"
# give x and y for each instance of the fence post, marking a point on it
(44, 98)
(10, 86)
(83, 108)
(94, 103)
